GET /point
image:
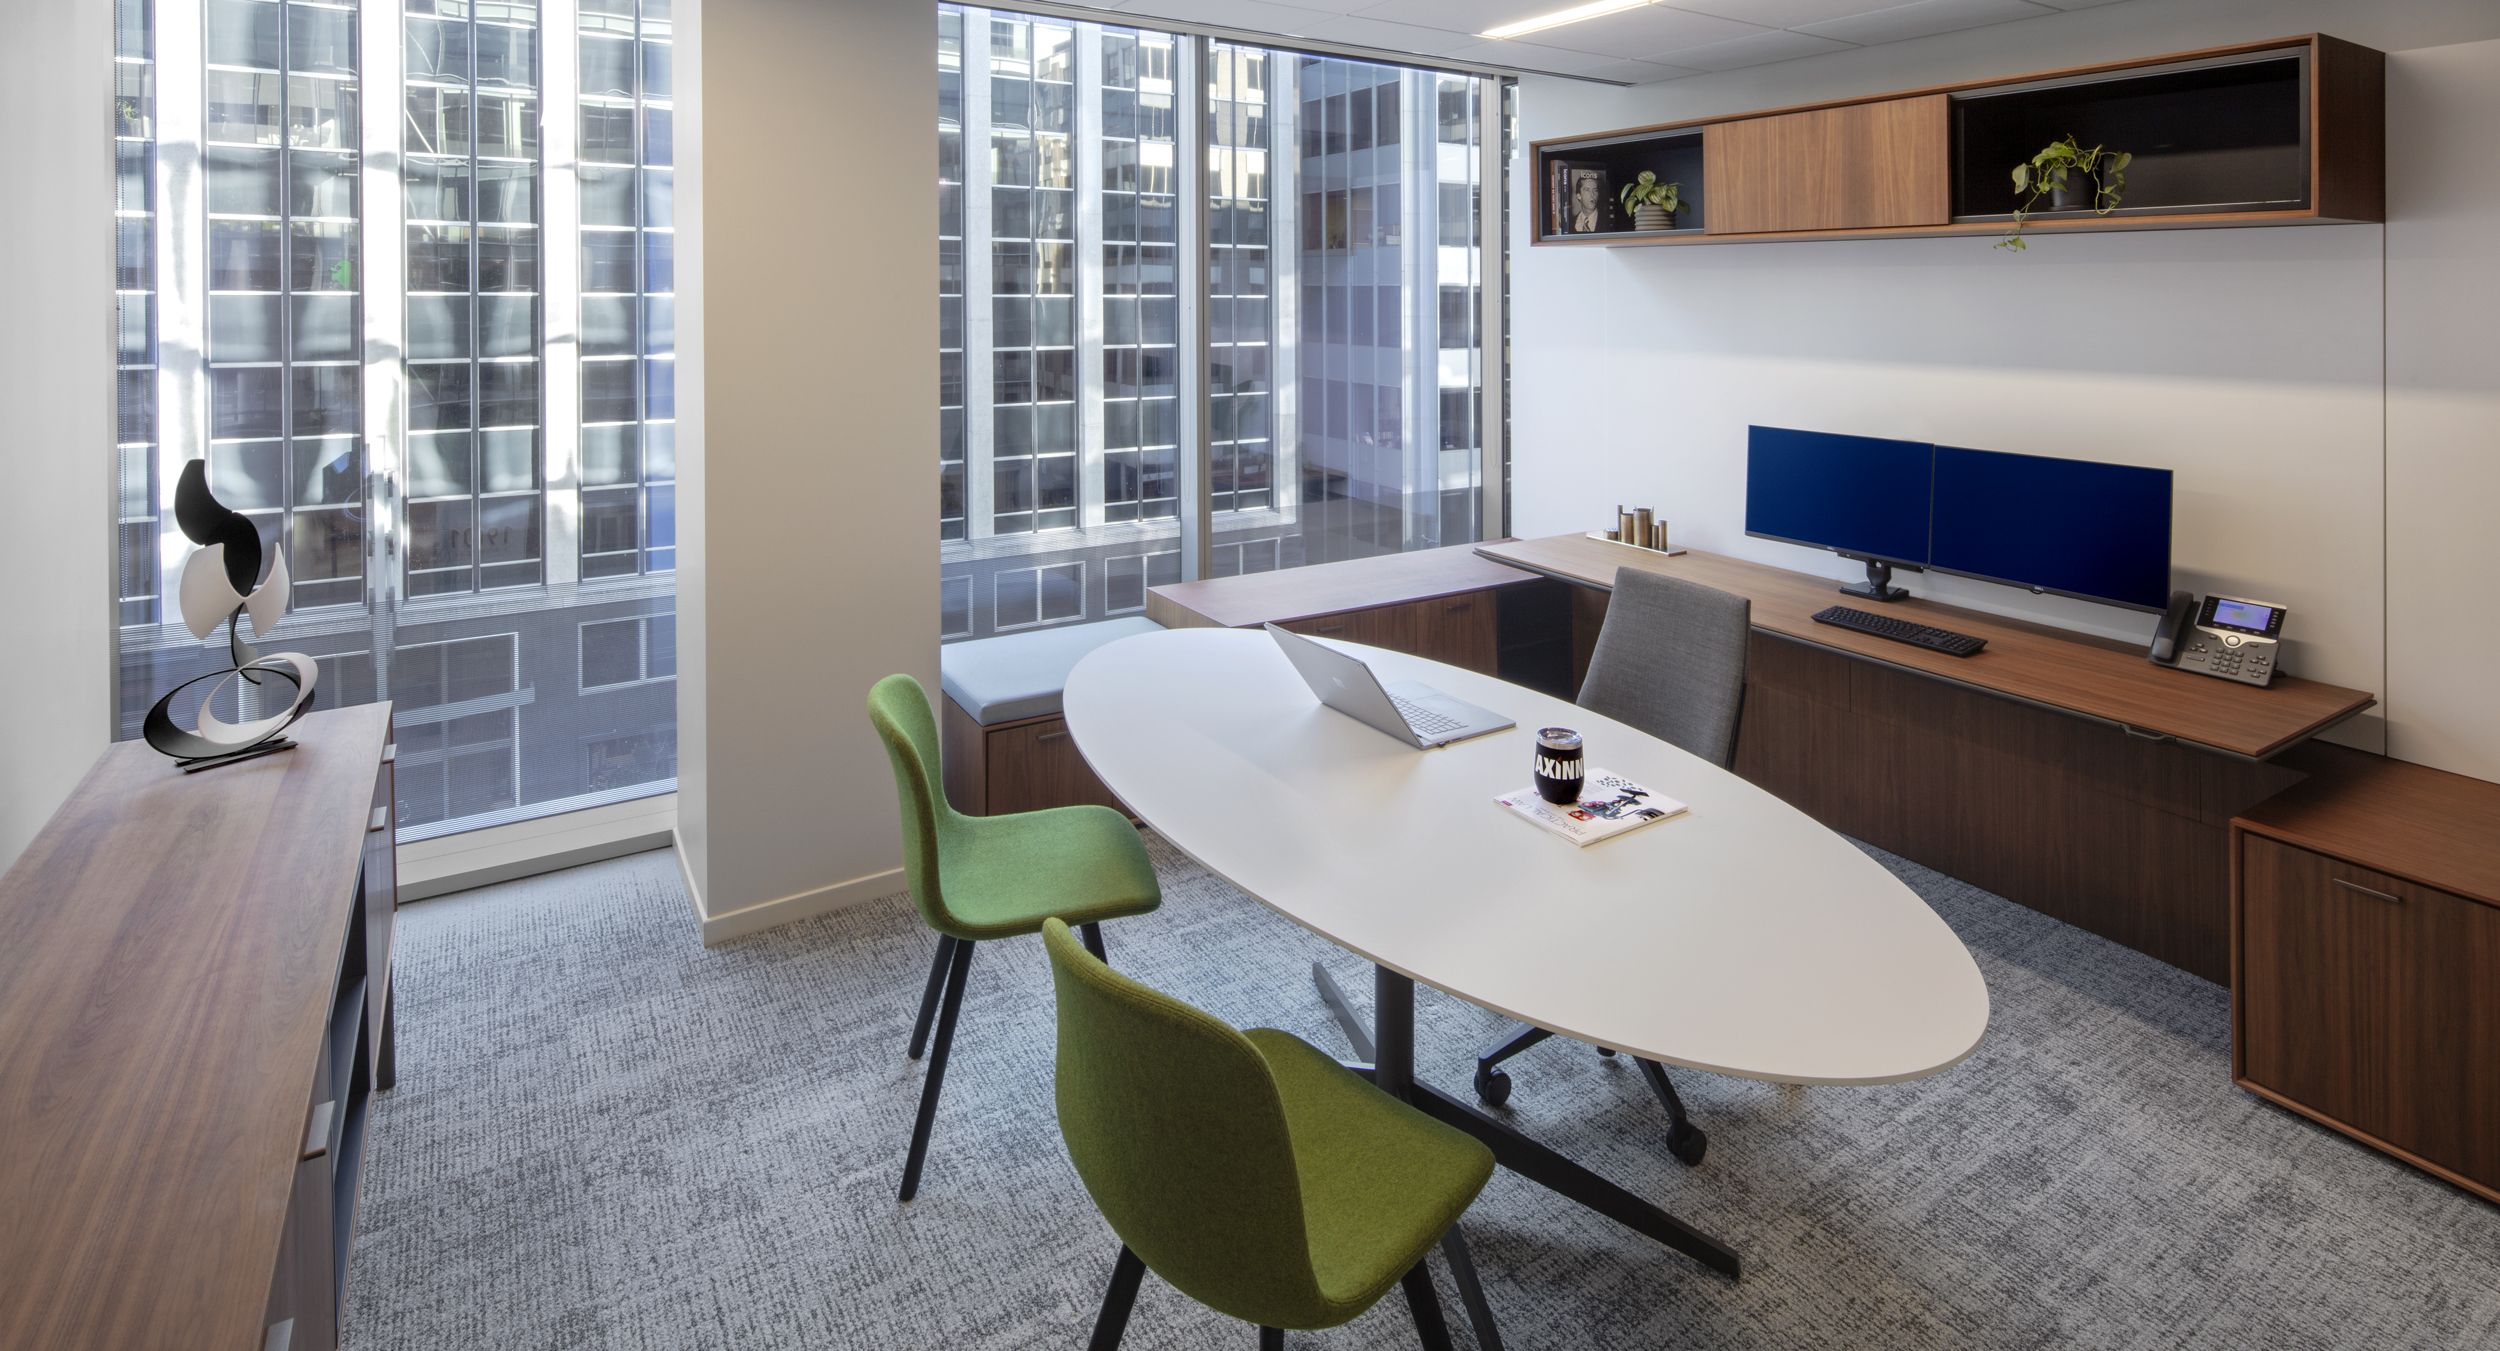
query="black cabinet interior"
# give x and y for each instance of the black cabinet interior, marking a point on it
(2218, 136)
(1675, 158)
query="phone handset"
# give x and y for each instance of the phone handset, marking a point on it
(2174, 626)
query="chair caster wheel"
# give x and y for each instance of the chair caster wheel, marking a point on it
(1492, 1086)
(1687, 1143)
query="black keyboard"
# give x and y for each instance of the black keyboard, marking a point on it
(1901, 631)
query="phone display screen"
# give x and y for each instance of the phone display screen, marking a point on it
(2244, 615)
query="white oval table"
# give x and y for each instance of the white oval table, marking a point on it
(1741, 937)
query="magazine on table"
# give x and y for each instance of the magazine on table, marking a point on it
(1609, 805)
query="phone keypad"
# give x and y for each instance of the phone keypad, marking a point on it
(2229, 656)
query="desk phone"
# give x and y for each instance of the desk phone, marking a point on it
(2221, 636)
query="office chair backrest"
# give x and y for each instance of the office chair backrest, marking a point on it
(1176, 1127)
(1671, 661)
(900, 710)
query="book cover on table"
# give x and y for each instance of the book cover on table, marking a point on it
(1609, 805)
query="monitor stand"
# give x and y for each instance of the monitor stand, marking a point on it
(1878, 584)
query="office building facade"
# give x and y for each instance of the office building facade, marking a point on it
(1332, 347)
(402, 273)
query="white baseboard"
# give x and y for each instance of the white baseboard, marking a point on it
(719, 929)
(479, 858)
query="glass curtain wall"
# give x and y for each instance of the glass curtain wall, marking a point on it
(1338, 387)
(398, 271)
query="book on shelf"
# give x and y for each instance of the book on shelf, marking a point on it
(1609, 805)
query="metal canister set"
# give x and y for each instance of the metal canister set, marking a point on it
(1639, 528)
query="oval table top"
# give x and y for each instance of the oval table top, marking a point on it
(1741, 937)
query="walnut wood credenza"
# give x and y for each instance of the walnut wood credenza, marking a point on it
(195, 1011)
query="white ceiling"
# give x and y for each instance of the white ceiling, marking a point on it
(1637, 46)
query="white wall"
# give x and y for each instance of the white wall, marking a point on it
(56, 385)
(807, 226)
(2253, 363)
(2443, 411)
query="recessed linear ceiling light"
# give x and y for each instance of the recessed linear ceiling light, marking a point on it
(1559, 17)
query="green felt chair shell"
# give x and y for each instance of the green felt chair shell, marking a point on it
(1249, 1170)
(983, 877)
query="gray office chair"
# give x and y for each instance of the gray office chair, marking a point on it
(1671, 662)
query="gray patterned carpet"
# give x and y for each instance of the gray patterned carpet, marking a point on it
(606, 1136)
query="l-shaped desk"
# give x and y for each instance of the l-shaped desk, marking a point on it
(2054, 768)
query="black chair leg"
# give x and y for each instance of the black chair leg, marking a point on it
(1271, 1339)
(1092, 934)
(1493, 1086)
(1117, 1300)
(1426, 1306)
(929, 995)
(1684, 1139)
(958, 968)
(1470, 1290)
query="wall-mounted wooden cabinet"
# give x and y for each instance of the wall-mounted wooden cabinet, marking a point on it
(2286, 132)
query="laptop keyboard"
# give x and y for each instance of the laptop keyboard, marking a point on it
(1423, 720)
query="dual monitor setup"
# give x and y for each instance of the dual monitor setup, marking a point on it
(2079, 528)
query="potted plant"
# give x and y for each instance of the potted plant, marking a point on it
(2072, 178)
(1652, 203)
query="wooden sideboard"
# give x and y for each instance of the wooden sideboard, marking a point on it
(195, 1008)
(2365, 960)
(1438, 603)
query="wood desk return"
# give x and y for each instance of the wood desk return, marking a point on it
(194, 1008)
(2054, 768)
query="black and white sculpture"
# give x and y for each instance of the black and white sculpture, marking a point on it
(221, 583)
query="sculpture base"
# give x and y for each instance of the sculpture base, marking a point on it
(194, 766)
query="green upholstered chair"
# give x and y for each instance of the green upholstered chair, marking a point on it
(982, 877)
(1255, 1174)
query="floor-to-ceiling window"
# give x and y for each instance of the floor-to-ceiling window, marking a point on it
(400, 272)
(1156, 247)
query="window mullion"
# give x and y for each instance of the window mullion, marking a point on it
(1492, 297)
(1190, 185)
(181, 193)
(560, 286)
(383, 282)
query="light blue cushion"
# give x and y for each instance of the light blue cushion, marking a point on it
(1022, 675)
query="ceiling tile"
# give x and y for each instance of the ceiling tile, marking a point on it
(1458, 16)
(1782, 13)
(1522, 56)
(1649, 29)
(1356, 31)
(1760, 50)
(1636, 72)
(1924, 19)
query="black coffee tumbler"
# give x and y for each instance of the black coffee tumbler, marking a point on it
(1561, 767)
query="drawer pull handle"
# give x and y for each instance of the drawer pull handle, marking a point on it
(2372, 892)
(1047, 737)
(317, 1133)
(381, 818)
(280, 1336)
(1328, 628)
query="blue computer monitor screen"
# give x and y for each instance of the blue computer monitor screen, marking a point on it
(1859, 495)
(2075, 527)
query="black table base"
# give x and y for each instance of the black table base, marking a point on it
(1389, 1046)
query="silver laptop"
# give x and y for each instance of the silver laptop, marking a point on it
(1414, 713)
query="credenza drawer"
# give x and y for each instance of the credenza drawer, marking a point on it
(1461, 630)
(2371, 1003)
